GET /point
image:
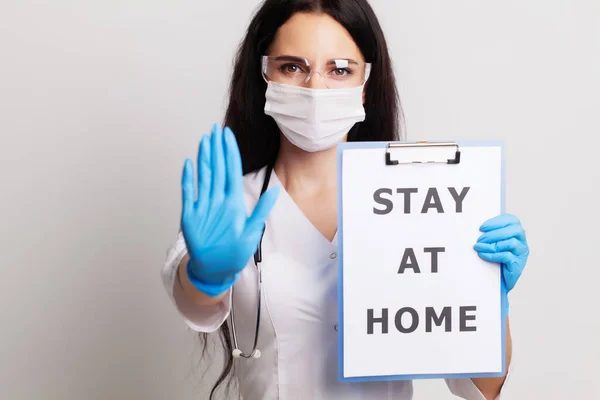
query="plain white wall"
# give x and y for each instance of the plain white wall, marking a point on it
(100, 103)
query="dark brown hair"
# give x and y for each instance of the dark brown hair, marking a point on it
(258, 135)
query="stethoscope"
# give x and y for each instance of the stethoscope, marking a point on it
(237, 353)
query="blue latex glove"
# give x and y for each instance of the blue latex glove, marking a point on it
(504, 241)
(219, 236)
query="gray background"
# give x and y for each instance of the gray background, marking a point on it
(100, 103)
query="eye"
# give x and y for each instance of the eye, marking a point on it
(341, 72)
(290, 68)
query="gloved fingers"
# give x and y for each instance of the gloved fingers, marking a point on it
(505, 257)
(234, 173)
(265, 204)
(187, 187)
(504, 233)
(499, 221)
(218, 166)
(204, 175)
(513, 245)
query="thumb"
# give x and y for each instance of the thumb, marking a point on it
(261, 211)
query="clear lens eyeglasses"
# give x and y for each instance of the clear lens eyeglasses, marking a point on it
(297, 71)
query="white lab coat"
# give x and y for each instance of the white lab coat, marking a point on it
(298, 337)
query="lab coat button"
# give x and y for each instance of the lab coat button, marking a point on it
(335, 327)
(333, 255)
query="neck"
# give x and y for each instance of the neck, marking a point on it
(309, 172)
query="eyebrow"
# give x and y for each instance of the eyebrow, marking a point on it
(289, 58)
(301, 59)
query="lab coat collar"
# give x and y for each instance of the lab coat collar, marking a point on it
(293, 234)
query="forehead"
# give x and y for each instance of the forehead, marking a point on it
(317, 37)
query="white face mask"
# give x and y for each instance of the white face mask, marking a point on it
(314, 119)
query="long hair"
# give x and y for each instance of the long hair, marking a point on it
(257, 134)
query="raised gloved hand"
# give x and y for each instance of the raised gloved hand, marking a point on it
(219, 236)
(504, 241)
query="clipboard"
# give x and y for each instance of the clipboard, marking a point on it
(404, 158)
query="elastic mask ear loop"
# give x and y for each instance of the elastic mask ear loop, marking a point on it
(367, 72)
(265, 67)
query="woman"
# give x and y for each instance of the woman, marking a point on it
(309, 74)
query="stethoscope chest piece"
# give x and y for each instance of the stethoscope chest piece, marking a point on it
(237, 353)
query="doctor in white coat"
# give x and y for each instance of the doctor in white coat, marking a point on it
(255, 258)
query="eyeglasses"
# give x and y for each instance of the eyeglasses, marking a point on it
(297, 71)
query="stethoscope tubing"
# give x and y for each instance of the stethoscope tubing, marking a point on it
(255, 353)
